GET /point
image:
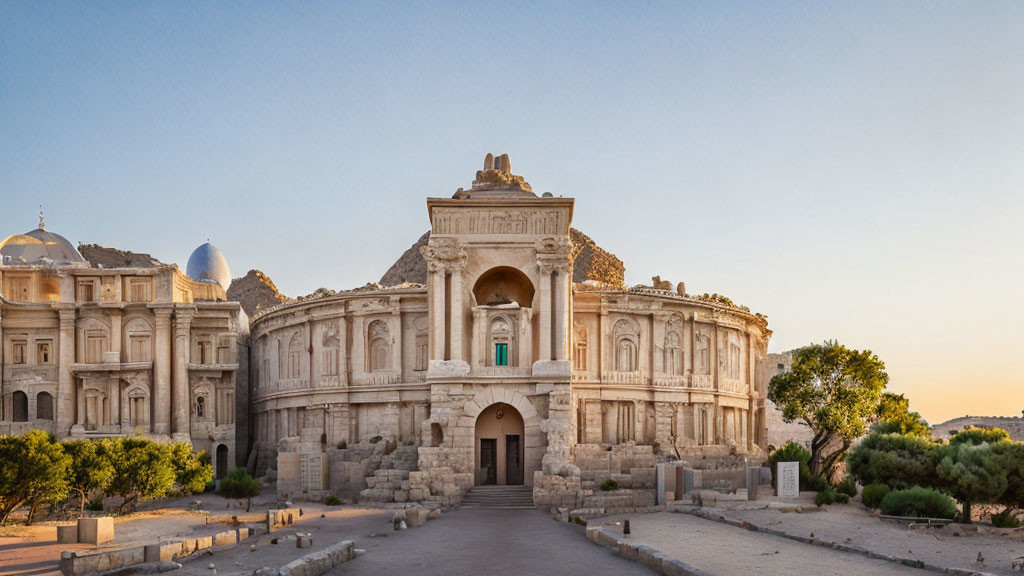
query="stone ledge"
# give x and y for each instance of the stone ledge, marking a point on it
(650, 557)
(318, 563)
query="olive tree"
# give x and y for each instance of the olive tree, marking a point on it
(34, 471)
(90, 469)
(836, 392)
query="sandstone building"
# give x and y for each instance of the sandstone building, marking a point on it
(499, 368)
(90, 352)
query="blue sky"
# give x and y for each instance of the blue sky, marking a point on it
(853, 170)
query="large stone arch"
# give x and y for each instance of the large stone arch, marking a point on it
(534, 438)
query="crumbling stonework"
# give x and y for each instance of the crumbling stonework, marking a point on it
(255, 292)
(102, 257)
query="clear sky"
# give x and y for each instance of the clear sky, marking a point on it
(855, 171)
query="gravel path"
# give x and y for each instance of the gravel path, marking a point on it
(726, 550)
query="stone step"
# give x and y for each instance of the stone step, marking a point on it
(499, 498)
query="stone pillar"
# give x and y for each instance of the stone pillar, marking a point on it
(602, 344)
(455, 314)
(560, 315)
(66, 392)
(478, 340)
(526, 337)
(182, 351)
(439, 312)
(343, 351)
(161, 404)
(396, 347)
(115, 333)
(545, 314)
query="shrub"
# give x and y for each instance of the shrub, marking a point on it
(790, 452)
(95, 505)
(238, 484)
(332, 500)
(976, 435)
(895, 460)
(842, 498)
(1005, 520)
(826, 496)
(847, 487)
(872, 495)
(814, 483)
(973, 474)
(192, 471)
(609, 485)
(919, 503)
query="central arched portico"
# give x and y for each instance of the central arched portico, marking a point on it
(518, 418)
(499, 447)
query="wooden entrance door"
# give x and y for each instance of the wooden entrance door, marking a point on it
(489, 459)
(513, 460)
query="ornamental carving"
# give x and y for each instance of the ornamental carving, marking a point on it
(444, 254)
(526, 221)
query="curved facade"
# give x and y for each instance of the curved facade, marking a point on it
(500, 370)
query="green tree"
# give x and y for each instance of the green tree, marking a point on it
(894, 417)
(973, 474)
(976, 435)
(142, 470)
(34, 472)
(896, 460)
(90, 469)
(192, 471)
(836, 392)
(238, 485)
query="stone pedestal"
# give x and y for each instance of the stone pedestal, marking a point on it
(95, 530)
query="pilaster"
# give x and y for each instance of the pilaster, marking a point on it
(161, 405)
(182, 350)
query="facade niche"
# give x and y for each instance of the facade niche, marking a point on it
(579, 352)
(702, 358)
(331, 347)
(20, 405)
(673, 354)
(501, 336)
(44, 406)
(291, 367)
(379, 346)
(627, 338)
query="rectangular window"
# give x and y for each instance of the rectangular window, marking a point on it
(501, 354)
(95, 346)
(139, 291)
(139, 349)
(43, 350)
(20, 351)
(85, 292)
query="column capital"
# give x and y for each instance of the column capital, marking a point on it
(444, 255)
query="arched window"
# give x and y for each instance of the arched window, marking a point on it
(734, 361)
(579, 351)
(331, 345)
(138, 340)
(200, 407)
(702, 359)
(295, 356)
(627, 337)
(501, 334)
(378, 337)
(20, 400)
(673, 354)
(138, 408)
(44, 406)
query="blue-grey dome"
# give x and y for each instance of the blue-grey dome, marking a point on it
(207, 264)
(39, 247)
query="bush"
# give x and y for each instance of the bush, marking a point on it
(842, 498)
(238, 484)
(847, 487)
(332, 500)
(609, 485)
(95, 505)
(791, 452)
(872, 495)
(918, 502)
(1005, 520)
(976, 435)
(895, 460)
(142, 470)
(814, 483)
(826, 496)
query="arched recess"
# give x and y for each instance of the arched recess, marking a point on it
(499, 447)
(503, 285)
(533, 446)
(20, 400)
(44, 406)
(222, 461)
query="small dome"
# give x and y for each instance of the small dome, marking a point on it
(207, 264)
(39, 247)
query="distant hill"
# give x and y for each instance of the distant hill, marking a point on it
(102, 257)
(255, 292)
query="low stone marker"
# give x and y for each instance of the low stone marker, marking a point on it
(753, 480)
(67, 534)
(659, 483)
(95, 530)
(787, 480)
(416, 516)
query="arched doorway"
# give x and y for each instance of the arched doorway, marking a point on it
(500, 446)
(222, 461)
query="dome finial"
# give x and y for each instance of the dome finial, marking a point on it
(42, 220)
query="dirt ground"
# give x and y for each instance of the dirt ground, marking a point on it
(853, 524)
(722, 549)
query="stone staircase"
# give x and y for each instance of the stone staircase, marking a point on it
(499, 498)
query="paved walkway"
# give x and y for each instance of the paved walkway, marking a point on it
(478, 541)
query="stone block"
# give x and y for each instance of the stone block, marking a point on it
(649, 557)
(225, 538)
(415, 516)
(67, 534)
(95, 530)
(623, 480)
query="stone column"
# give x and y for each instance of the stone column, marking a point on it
(343, 352)
(545, 314)
(456, 311)
(525, 337)
(561, 313)
(115, 333)
(396, 348)
(439, 312)
(478, 339)
(603, 349)
(65, 378)
(161, 404)
(182, 351)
